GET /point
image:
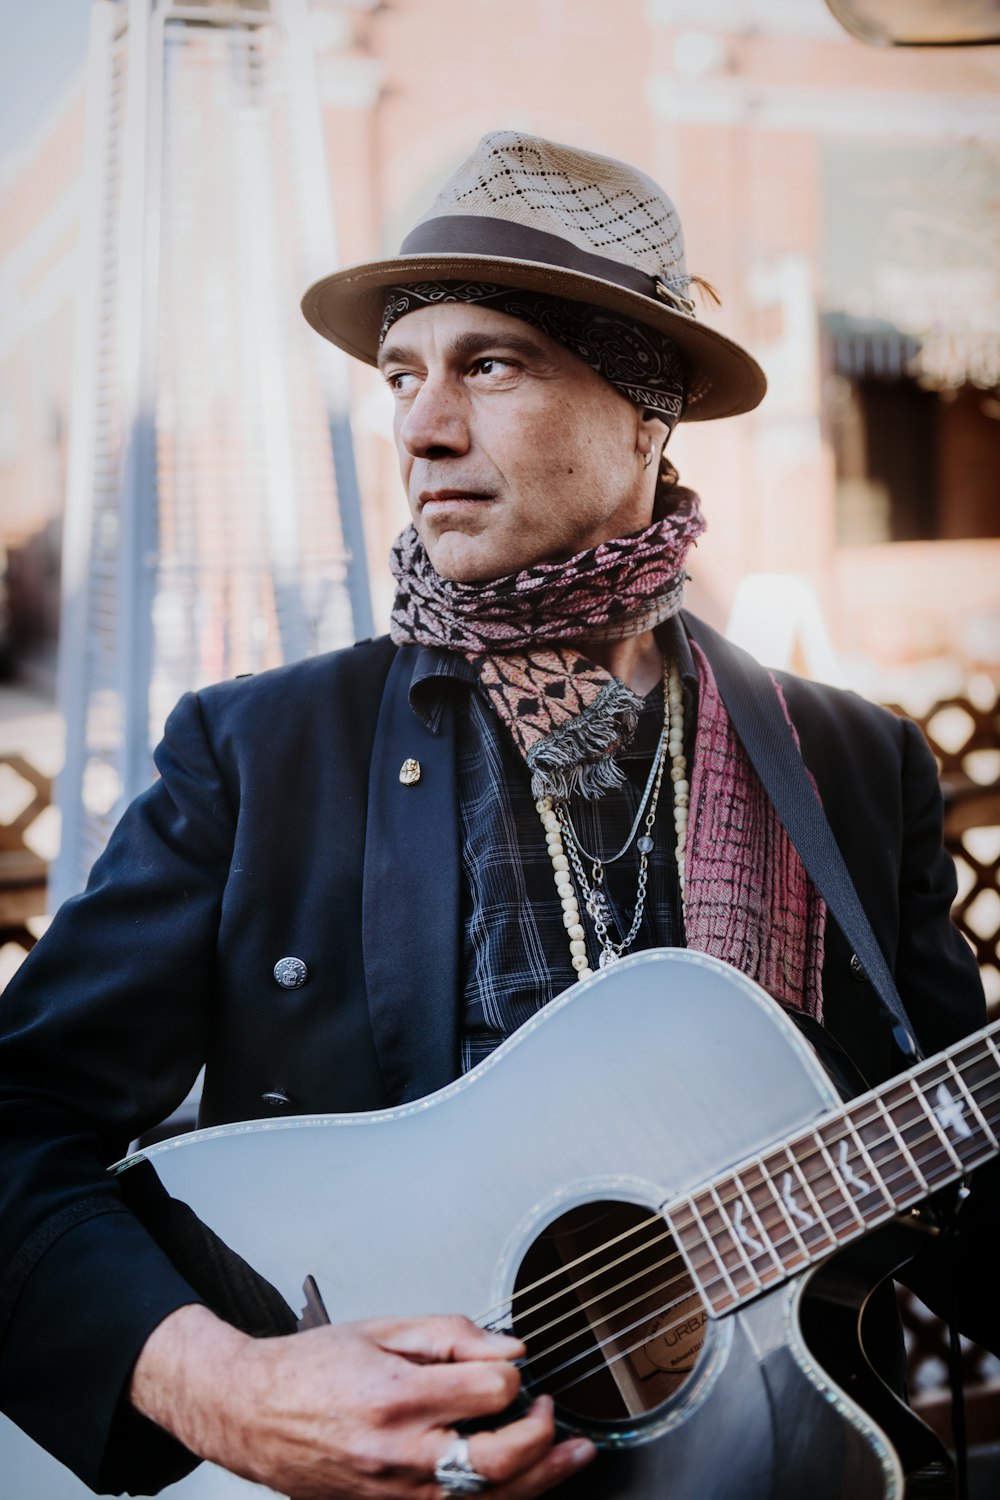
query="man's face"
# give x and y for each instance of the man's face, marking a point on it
(511, 449)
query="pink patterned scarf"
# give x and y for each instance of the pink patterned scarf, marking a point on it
(567, 715)
(748, 899)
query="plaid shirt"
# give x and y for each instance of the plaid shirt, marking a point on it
(515, 949)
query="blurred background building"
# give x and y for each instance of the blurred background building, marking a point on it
(173, 441)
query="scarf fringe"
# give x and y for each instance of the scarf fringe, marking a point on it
(578, 756)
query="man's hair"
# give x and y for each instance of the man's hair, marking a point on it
(669, 490)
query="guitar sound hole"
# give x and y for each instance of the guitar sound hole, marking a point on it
(611, 1319)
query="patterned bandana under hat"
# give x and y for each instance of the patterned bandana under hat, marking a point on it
(567, 715)
(643, 364)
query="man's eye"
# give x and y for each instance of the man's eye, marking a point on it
(400, 382)
(492, 364)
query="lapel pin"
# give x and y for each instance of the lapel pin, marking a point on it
(409, 771)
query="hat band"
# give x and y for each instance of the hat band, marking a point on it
(474, 234)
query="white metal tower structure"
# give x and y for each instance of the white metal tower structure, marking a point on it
(212, 519)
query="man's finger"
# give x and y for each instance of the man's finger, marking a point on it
(438, 1340)
(558, 1465)
(448, 1394)
(503, 1454)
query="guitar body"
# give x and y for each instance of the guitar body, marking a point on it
(630, 1090)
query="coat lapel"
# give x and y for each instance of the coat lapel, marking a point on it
(411, 901)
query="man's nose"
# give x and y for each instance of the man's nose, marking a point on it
(437, 420)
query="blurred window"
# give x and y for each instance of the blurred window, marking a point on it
(911, 337)
(913, 463)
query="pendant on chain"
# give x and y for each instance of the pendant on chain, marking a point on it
(567, 852)
(597, 907)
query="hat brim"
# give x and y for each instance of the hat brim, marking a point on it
(346, 308)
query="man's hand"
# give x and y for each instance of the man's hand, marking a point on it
(352, 1411)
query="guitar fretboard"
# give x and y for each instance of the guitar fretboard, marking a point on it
(789, 1207)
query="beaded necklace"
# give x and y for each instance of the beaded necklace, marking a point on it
(567, 853)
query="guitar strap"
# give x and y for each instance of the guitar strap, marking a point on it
(747, 690)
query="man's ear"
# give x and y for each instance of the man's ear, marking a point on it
(651, 434)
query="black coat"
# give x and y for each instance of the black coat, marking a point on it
(279, 827)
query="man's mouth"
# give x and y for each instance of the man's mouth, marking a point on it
(432, 499)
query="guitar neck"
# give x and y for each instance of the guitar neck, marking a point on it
(776, 1214)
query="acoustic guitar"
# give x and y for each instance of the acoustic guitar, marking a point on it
(655, 1184)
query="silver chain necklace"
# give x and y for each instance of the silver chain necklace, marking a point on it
(593, 890)
(652, 781)
(550, 814)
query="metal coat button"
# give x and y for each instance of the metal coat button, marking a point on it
(291, 973)
(857, 972)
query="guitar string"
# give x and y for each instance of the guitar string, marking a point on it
(600, 1296)
(852, 1134)
(601, 1344)
(691, 1290)
(853, 1128)
(605, 1363)
(587, 1330)
(826, 1185)
(779, 1218)
(644, 1247)
(647, 1317)
(766, 1183)
(488, 1318)
(708, 1283)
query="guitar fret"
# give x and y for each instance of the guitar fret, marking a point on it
(773, 1268)
(826, 1184)
(817, 1236)
(701, 1253)
(894, 1181)
(856, 1165)
(925, 1150)
(907, 1185)
(939, 1159)
(984, 1138)
(955, 1115)
(762, 1190)
(989, 1135)
(843, 1214)
(985, 1064)
(801, 1199)
(738, 1244)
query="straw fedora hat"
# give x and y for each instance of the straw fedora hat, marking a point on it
(529, 213)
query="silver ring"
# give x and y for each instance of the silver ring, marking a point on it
(454, 1472)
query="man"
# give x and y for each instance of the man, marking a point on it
(356, 875)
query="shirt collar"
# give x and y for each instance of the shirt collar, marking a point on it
(433, 669)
